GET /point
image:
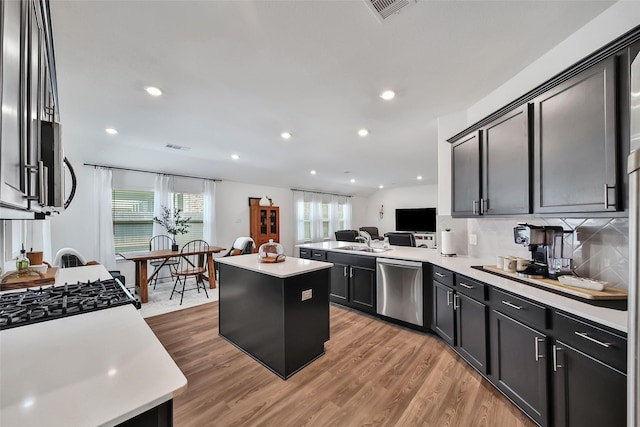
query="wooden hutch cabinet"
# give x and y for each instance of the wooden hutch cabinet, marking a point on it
(265, 224)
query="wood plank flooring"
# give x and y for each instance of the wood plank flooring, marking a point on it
(372, 373)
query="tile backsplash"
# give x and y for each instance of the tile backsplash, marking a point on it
(600, 246)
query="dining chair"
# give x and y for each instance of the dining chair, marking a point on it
(161, 242)
(401, 239)
(346, 235)
(190, 266)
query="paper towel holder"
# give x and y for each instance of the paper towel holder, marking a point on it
(442, 244)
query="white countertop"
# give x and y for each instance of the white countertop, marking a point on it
(616, 319)
(94, 369)
(290, 267)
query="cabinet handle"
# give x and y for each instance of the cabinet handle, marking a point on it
(42, 184)
(474, 207)
(439, 274)
(536, 341)
(345, 271)
(555, 358)
(350, 271)
(607, 205)
(586, 336)
(449, 294)
(507, 303)
(483, 205)
(456, 302)
(464, 285)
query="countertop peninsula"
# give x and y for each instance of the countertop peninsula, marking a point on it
(616, 319)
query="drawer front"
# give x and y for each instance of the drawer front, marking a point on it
(585, 336)
(442, 275)
(305, 253)
(472, 288)
(519, 308)
(318, 255)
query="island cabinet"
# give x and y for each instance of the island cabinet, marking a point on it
(353, 281)
(575, 147)
(277, 313)
(589, 380)
(519, 352)
(459, 315)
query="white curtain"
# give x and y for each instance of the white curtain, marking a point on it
(209, 212)
(309, 213)
(162, 196)
(105, 245)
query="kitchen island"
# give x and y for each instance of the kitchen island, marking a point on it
(276, 313)
(100, 368)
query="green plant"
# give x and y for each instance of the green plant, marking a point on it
(173, 222)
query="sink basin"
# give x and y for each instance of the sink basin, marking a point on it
(363, 249)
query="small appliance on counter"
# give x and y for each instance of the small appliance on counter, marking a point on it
(546, 244)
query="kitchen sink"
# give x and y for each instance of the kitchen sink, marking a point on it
(363, 249)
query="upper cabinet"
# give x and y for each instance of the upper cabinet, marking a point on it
(575, 144)
(27, 92)
(490, 168)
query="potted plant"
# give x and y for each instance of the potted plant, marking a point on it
(174, 223)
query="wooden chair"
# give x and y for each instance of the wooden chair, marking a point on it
(190, 266)
(161, 243)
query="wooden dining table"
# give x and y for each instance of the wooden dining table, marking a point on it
(141, 259)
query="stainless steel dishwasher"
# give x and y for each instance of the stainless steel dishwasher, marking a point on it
(399, 290)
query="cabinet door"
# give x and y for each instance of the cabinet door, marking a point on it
(575, 144)
(587, 392)
(13, 184)
(519, 365)
(34, 97)
(363, 288)
(465, 176)
(443, 316)
(472, 331)
(505, 158)
(339, 283)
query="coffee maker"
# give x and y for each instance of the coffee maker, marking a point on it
(546, 244)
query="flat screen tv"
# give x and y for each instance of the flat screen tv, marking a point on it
(417, 220)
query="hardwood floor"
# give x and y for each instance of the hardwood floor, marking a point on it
(372, 373)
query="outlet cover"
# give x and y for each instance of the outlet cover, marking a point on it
(308, 294)
(473, 239)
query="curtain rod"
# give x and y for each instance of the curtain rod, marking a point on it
(145, 171)
(320, 192)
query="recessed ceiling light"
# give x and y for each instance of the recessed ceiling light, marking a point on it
(153, 91)
(111, 131)
(381, 186)
(313, 172)
(353, 180)
(387, 95)
(285, 135)
(235, 156)
(419, 177)
(363, 132)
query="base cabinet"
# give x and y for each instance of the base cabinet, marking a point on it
(353, 281)
(519, 365)
(443, 318)
(587, 392)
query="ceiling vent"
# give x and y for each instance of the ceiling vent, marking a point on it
(178, 147)
(383, 9)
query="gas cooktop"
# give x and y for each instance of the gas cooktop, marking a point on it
(38, 305)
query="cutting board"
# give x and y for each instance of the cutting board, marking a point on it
(27, 280)
(606, 294)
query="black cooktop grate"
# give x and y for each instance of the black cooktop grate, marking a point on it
(38, 305)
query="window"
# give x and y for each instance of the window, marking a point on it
(319, 216)
(133, 218)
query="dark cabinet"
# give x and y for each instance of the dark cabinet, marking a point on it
(466, 176)
(575, 147)
(505, 165)
(490, 168)
(461, 320)
(519, 365)
(353, 281)
(589, 380)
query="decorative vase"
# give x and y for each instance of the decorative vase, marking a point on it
(175, 247)
(265, 201)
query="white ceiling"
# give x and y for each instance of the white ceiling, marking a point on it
(236, 74)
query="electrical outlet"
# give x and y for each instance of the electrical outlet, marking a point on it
(473, 239)
(308, 294)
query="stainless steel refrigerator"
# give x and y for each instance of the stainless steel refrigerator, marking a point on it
(633, 168)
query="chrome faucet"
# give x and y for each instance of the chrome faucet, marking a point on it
(364, 237)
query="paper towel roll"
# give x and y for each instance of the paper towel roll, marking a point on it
(447, 244)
